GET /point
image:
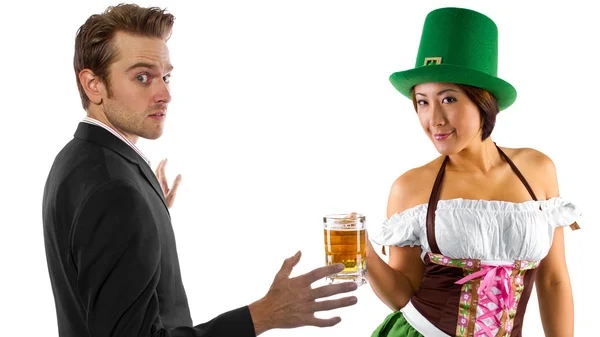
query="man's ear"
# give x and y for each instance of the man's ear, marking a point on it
(92, 86)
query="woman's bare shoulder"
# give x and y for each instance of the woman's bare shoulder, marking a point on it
(536, 166)
(413, 187)
(530, 158)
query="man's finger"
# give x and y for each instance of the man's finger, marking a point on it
(163, 176)
(333, 304)
(175, 185)
(323, 322)
(332, 289)
(158, 170)
(316, 274)
(288, 265)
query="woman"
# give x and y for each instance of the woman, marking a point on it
(464, 254)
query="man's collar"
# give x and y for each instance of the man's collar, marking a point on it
(117, 134)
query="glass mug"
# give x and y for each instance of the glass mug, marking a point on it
(345, 242)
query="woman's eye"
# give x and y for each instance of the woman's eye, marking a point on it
(167, 78)
(421, 102)
(449, 99)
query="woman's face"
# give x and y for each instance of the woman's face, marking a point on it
(448, 117)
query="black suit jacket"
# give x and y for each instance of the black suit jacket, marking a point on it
(111, 250)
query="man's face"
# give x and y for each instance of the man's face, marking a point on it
(137, 101)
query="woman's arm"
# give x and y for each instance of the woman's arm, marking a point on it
(553, 287)
(553, 284)
(395, 283)
(395, 287)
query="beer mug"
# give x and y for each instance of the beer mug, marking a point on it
(345, 242)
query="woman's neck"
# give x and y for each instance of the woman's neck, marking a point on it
(478, 157)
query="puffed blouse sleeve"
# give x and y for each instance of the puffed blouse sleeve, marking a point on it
(401, 229)
(561, 212)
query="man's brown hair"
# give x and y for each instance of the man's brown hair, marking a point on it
(486, 103)
(94, 47)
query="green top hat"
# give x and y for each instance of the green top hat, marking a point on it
(457, 46)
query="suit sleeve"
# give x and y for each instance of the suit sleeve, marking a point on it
(115, 248)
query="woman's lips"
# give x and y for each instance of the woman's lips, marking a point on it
(442, 136)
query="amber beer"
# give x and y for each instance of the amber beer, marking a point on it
(344, 238)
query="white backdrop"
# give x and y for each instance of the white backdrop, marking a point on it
(282, 112)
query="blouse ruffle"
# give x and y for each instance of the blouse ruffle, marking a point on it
(483, 229)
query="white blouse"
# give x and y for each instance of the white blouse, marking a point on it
(481, 229)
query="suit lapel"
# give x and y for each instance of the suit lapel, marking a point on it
(151, 177)
(104, 138)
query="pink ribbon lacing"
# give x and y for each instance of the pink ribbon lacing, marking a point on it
(504, 301)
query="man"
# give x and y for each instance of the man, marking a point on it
(110, 245)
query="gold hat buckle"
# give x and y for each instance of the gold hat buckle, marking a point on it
(432, 61)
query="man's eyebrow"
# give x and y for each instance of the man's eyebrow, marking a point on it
(169, 67)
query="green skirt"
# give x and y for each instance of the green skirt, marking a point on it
(395, 325)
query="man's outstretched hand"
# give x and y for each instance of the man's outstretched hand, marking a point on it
(291, 302)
